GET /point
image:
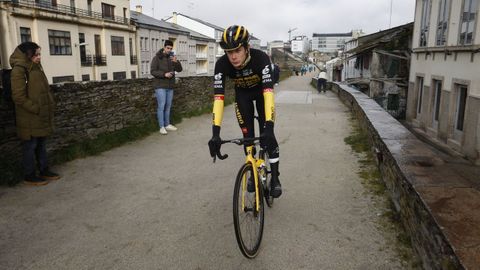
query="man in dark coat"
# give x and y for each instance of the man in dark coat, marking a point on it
(163, 68)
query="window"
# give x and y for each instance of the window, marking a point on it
(119, 75)
(83, 51)
(436, 101)
(146, 44)
(25, 34)
(59, 42)
(425, 22)
(469, 17)
(60, 79)
(133, 74)
(442, 25)
(108, 11)
(104, 76)
(72, 6)
(118, 46)
(141, 44)
(420, 94)
(460, 108)
(89, 7)
(86, 77)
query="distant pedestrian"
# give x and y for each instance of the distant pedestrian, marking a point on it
(322, 82)
(276, 73)
(34, 107)
(163, 68)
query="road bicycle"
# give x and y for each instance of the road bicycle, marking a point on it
(248, 207)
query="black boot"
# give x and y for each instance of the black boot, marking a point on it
(275, 186)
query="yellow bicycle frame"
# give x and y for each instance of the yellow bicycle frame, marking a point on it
(256, 163)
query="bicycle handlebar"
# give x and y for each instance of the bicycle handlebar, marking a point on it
(241, 141)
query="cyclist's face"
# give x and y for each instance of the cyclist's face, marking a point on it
(237, 57)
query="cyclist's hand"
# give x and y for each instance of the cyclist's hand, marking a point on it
(214, 145)
(268, 137)
(215, 142)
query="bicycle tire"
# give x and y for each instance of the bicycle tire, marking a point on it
(249, 246)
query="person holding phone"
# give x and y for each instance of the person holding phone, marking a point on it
(163, 67)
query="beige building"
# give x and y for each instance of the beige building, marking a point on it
(444, 84)
(80, 40)
(196, 52)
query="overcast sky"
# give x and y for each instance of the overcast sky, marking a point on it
(271, 19)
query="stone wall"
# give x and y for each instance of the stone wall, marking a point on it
(85, 110)
(407, 166)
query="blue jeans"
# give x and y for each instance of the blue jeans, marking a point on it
(35, 148)
(164, 101)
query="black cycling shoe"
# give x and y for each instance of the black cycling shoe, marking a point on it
(276, 189)
(250, 185)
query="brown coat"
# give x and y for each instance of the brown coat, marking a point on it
(34, 104)
(160, 65)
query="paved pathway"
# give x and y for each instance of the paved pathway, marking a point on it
(160, 203)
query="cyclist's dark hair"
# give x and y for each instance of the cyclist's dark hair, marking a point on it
(29, 48)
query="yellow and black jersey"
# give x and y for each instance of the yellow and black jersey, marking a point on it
(255, 77)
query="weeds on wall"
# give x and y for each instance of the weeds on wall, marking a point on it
(389, 219)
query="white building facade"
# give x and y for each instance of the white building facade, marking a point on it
(200, 26)
(195, 51)
(81, 41)
(300, 45)
(330, 42)
(444, 84)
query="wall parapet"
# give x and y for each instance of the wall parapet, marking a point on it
(84, 111)
(429, 189)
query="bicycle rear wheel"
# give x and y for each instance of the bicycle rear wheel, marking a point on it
(248, 222)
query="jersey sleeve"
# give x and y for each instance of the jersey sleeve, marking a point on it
(267, 85)
(219, 92)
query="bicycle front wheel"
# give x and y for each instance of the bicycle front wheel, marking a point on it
(248, 222)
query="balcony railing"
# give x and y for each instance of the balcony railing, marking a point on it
(100, 60)
(68, 10)
(86, 61)
(133, 60)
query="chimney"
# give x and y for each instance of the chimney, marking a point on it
(174, 18)
(138, 8)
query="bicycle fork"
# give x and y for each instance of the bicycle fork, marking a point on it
(255, 165)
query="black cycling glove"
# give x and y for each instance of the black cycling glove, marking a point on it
(268, 137)
(215, 142)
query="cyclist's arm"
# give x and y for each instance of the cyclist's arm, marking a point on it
(219, 94)
(267, 85)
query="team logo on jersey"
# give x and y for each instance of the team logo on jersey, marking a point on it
(218, 76)
(266, 70)
(247, 72)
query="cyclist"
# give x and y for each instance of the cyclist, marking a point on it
(252, 75)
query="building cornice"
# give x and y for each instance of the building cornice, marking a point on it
(58, 17)
(448, 49)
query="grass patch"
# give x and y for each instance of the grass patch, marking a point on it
(389, 220)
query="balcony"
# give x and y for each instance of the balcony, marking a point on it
(86, 61)
(100, 60)
(201, 56)
(66, 10)
(133, 60)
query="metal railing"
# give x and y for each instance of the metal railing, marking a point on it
(68, 10)
(100, 60)
(86, 61)
(133, 60)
